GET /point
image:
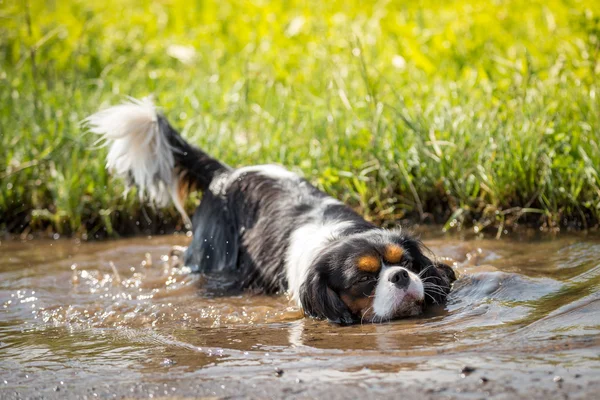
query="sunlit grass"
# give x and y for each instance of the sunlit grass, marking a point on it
(476, 112)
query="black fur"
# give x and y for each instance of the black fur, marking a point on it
(255, 218)
(199, 168)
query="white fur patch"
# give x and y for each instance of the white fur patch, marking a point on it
(306, 243)
(138, 149)
(391, 300)
(221, 183)
(268, 170)
(330, 201)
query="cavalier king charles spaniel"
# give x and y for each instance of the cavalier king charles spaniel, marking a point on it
(269, 229)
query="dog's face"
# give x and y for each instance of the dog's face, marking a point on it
(374, 276)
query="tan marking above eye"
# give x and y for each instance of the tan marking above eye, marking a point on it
(393, 253)
(369, 263)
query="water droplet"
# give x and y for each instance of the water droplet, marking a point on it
(167, 362)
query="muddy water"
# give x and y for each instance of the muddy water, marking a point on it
(103, 319)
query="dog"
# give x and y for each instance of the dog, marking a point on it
(270, 229)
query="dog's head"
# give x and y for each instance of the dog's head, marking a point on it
(374, 276)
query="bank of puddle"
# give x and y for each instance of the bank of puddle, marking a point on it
(76, 312)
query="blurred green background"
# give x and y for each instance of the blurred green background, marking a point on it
(480, 114)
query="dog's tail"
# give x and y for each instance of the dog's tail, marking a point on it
(149, 153)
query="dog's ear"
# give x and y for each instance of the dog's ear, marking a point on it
(446, 270)
(320, 301)
(437, 277)
(437, 281)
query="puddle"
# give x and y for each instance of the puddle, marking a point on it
(69, 320)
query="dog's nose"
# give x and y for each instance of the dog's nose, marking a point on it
(400, 278)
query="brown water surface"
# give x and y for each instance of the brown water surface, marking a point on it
(523, 311)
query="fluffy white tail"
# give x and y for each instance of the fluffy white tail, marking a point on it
(139, 151)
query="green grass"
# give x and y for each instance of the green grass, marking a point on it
(473, 113)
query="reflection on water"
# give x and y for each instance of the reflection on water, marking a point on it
(77, 312)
